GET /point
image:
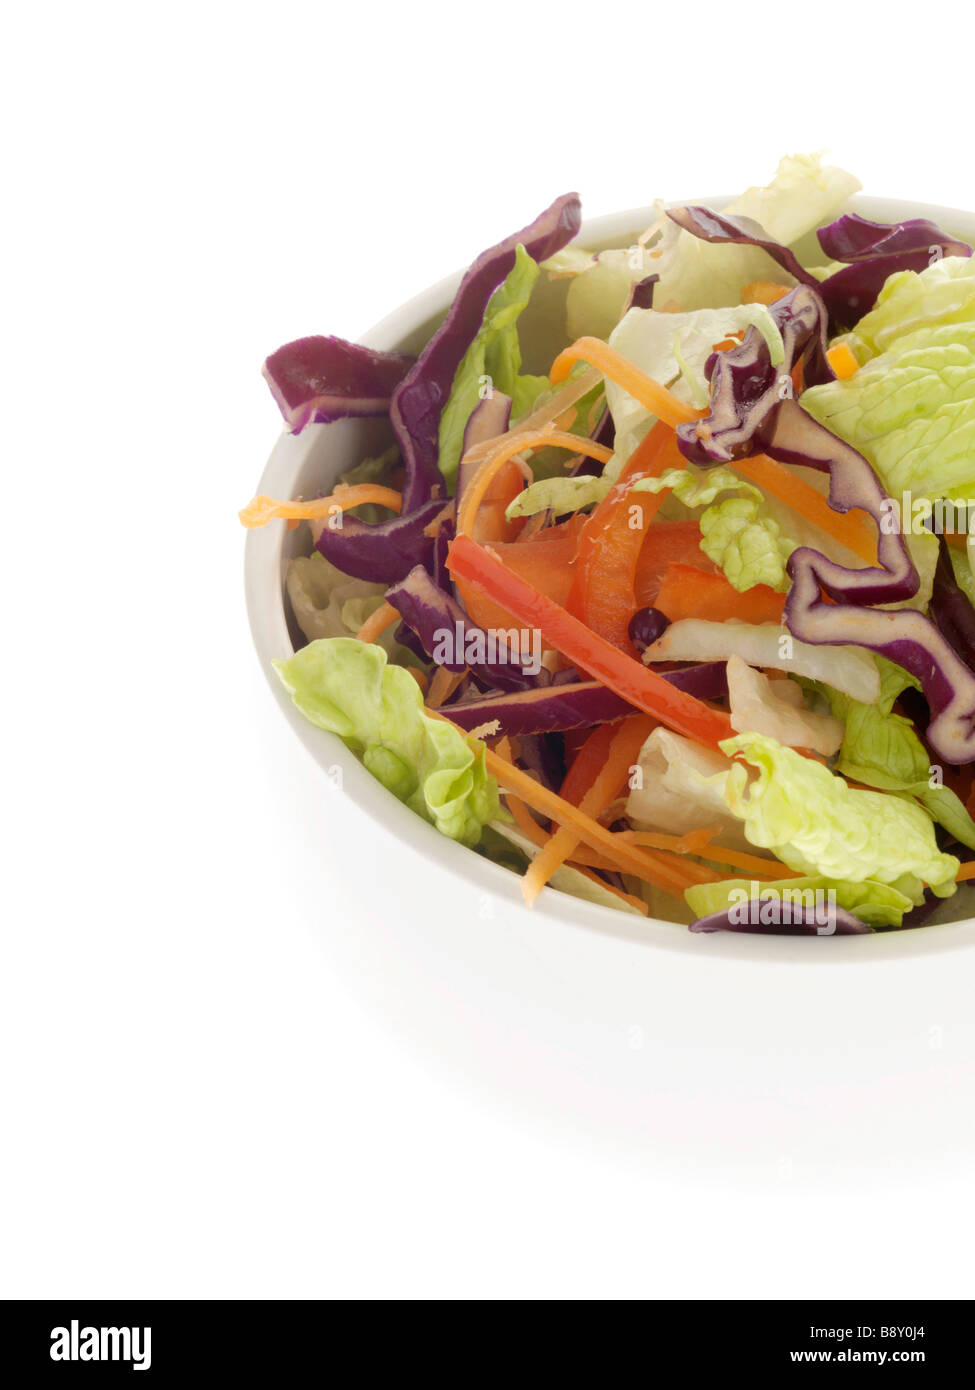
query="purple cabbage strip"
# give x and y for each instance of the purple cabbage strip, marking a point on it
(754, 411)
(951, 609)
(853, 238)
(796, 921)
(543, 710)
(873, 251)
(641, 295)
(708, 681)
(441, 624)
(441, 545)
(323, 379)
(576, 705)
(738, 231)
(386, 552)
(419, 399)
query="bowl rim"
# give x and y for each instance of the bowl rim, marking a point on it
(264, 594)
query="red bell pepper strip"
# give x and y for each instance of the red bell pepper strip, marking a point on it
(587, 650)
(603, 593)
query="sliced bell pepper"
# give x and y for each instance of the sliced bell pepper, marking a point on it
(668, 543)
(603, 592)
(481, 570)
(688, 592)
(545, 562)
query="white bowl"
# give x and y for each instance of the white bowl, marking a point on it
(306, 464)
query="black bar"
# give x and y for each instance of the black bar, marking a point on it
(289, 1339)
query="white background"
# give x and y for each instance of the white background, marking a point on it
(249, 1045)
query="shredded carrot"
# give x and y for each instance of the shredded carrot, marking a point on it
(664, 871)
(841, 359)
(443, 685)
(419, 676)
(264, 509)
(656, 398)
(699, 842)
(619, 747)
(524, 819)
(846, 527)
(506, 449)
(377, 623)
(966, 871)
(763, 292)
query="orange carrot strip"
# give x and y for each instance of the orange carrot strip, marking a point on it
(443, 685)
(656, 398)
(775, 478)
(261, 510)
(506, 449)
(841, 359)
(966, 871)
(622, 745)
(664, 871)
(377, 623)
(736, 859)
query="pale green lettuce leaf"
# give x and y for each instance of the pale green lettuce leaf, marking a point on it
(494, 354)
(877, 904)
(738, 534)
(882, 749)
(694, 274)
(944, 293)
(814, 822)
(348, 688)
(327, 602)
(561, 494)
(911, 411)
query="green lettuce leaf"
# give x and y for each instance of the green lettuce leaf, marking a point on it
(561, 494)
(494, 357)
(814, 822)
(944, 293)
(738, 534)
(327, 602)
(911, 411)
(877, 904)
(882, 749)
(348, 688)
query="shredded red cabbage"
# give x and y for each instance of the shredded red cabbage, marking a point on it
(874, 250)
(322, 379)
(796, 920)
(420, 398)
(449, 637)
(754, 411)
(385, 552)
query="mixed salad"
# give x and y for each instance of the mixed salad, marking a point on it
(684, 626)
